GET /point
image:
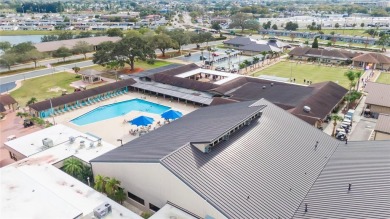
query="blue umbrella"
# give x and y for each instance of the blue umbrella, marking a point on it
(171, 114)
(142, 121)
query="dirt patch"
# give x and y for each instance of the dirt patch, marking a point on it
(55, 89)
(129, 71)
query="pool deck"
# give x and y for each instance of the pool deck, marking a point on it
(112, 129)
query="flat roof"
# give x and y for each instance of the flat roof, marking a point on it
(35, 188)
(168, 211)
(31, 144)
(229, 76)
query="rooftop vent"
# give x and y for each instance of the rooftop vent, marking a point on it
(47, 142)
(306, 109)
(72, 139)
(272, 84)
(264, 87)
(102, 210)
(82, 144)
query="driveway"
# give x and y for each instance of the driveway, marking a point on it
(363, 130)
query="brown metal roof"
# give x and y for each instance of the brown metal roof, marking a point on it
(325, 53)
(378, 94)
(323, 99)
(220, 100)
(54, 45)
(6, 99)
(73, 97)
(2, 108)
(375, 58)
(383, 123)
(179, 70)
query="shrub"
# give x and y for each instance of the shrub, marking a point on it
(78, 76)
(151, 61)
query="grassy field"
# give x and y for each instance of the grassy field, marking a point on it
(384, 78)
(44, 87)
(358, 32)
(309, 72)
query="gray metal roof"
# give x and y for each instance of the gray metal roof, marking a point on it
(151, 72)
(365, 165)
(173, 91)
(383, 123)
(202, 125)
(264, 170)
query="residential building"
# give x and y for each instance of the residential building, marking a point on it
(372, 61)
(248, 160)
(382, 127)
(378, 98)
(331, 56)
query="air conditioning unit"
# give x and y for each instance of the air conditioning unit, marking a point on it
(247, 122)
(207, 149)
(47, 142)
(99, 143)
(306, 109)
(72, 139)
(102, 210)
(91, 144)
(225, 137)
(82, 144)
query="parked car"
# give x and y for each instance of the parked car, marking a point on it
(215, 54)
(27, 123)
(341, 136)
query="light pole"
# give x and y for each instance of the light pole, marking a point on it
(51, 107)
(291, 71)
(201, 51)
(89, 183)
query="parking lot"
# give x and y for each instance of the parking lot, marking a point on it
(362, 130)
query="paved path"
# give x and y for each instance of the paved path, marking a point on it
(37, 73)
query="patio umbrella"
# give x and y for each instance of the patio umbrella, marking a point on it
(142, 121)
(171, 114)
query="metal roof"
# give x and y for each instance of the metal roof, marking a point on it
(378, 94)
(264, 170)
(366, 166)
(383, 123)
(54, 45)
(173, 91)
(7, 99)
(202, 125)
(80, 95)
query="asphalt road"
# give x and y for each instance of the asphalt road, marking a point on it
(363, 130)
(31, 74)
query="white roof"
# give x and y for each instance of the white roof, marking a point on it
(169, 211)
(31, 144)
(35, 188)
(229, 76)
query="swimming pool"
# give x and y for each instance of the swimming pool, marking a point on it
(118, 109)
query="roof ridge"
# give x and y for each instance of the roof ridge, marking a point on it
(175, 151)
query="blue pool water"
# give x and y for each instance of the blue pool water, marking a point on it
(118, 109)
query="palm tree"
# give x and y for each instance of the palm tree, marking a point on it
(264, 54)
(32, 101)
(247, 63)
(112, 186)
(335, 118)
(270, 53)
(255, 60)
(120, 195)
(100, 183)
(358, 74)
(73, 167)
(21, 114)
(351, 75)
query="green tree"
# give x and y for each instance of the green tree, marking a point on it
(255, 60)
(161, 29)
(114, 32)
(65, 35)
(111, 186)
(182, 38)
(8, 59)
(5, 45)
(384, 41)
(335, 118)
(103, 54)
(100, 183)
(130, 48)
(267, 25)
(337, 25)
(22, 48)
(62, 52)
(205, 37)
(82, 47)
(362, 25)
(34, 55)
(162, 42)
(49, 38)
(84, 34)
(240, 20)
(73, 167)
(264, 54)
(291, 26)
(315, 43)
(120, 195)
(246, 63)
(351, 76)
(216, 26)
(274, 27)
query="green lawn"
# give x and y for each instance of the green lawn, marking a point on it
(44, 87)
(309, 72)
(384, 78)
(358, 32)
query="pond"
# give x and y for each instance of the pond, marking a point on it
(21, 39)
